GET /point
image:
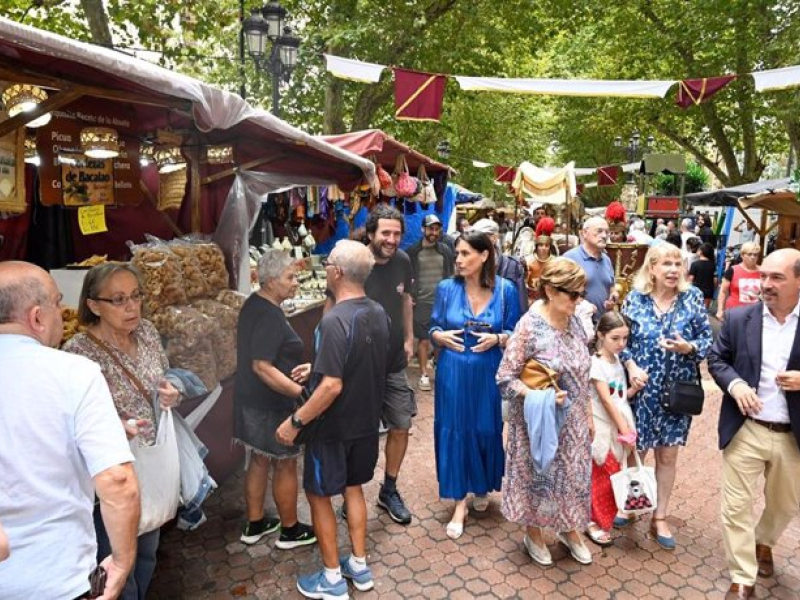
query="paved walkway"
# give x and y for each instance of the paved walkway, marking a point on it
(489, 561)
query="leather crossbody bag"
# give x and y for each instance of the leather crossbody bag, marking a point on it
(682, 397)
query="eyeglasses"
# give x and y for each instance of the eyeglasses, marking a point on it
(120, 301)
(573, 294)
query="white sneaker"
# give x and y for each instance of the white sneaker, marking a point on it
(539, 554)
(424, 384)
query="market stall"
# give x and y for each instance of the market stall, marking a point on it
(104, 156)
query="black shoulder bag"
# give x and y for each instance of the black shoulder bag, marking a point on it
(682, 397)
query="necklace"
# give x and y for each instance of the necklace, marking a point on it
(662, 308)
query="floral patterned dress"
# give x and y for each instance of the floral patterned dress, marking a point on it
(656, 426)
(559, 499)
(149, 366)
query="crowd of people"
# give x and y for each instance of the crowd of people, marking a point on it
(537, 347)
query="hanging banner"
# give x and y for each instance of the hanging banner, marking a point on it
(86, 181)
(608, 175)
(92, 219)
(695, 91)
(418, 96)
(62, 135)
(354, 70)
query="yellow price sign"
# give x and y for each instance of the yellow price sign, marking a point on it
(92, 219)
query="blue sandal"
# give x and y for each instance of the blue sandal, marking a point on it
(623, 522)
(667, 543)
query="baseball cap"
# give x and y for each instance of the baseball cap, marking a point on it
(430, 220)
(487, 226)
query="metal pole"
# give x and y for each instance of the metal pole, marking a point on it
(242, 90)
(276, 68)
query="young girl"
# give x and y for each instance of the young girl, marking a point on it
(613, 421)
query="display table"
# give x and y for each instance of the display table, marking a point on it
(216, 429)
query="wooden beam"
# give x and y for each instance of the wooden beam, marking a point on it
(54, 102)
(243, 167)
(9, 73)
(149, 197)
(192, 152)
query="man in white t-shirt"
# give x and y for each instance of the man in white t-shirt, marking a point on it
(61, 442)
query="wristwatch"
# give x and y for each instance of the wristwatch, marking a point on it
(296, 422)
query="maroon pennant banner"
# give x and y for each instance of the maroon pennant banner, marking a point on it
(418, 96)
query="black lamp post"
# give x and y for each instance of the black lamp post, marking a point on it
(634, 150)
(271, 45)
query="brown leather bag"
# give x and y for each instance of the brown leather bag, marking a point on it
(539, 377)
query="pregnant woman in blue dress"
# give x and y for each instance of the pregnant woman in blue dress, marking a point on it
(473, 316)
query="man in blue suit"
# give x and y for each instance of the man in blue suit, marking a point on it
(756, 362)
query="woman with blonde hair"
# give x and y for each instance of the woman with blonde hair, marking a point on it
(669, 330)
(741, 284)
(558, 496)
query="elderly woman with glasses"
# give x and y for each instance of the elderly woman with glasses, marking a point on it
(269, 381)
(129, 352)
(669, 330)
(741, 284)
(558, 496)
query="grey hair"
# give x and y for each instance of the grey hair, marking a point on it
(687, 222)
(272, 264)
(637, 225)
(593, 222)
(17, 296)
(95, 278)
(354, 259)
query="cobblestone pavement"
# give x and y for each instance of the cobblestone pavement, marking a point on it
(489, 561)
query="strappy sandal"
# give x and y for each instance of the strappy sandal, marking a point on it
(598, 535)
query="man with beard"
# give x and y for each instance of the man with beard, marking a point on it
(431, 261)
(592, 258)
(389, 284)
(756, 362)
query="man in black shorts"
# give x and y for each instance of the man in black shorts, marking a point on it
(342, 414)
(389, 285)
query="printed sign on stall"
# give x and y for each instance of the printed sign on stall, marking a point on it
(86, 181)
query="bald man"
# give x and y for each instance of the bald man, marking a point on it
(756, 361)
(592, 257)
(61, 442)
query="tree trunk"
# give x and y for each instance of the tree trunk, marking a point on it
(98, 22)
(333, 115)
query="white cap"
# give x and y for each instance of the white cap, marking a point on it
(487, 226)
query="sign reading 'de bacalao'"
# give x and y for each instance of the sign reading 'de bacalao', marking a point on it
(61, 137)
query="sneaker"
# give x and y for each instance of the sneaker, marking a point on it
(393, 504)
(185, 524)
(303, 536)
(255, 530)
(317, 586)
(539, 554)
(424, 384)
(362, 580)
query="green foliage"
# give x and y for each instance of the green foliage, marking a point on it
(669, 185)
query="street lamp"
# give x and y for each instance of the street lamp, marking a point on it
(634, 150)
(271, 45)
(443, 149)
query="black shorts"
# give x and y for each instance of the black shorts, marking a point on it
(332, 466)
(422, 319)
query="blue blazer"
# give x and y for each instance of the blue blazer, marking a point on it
(737, 354)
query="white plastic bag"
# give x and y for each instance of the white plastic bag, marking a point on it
(635, 489)
(159, 472)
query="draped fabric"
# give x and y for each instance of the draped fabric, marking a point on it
(354, 70)
(567, 87)
(418, 96)
(695, 91)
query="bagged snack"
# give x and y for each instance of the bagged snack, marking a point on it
(199, 359)
(193, 275)
(232, 299)
(212, 262)
(225, 316)
(162, 275)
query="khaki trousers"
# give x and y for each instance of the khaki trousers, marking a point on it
(755, 450)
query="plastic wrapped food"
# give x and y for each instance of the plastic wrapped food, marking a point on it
(224, 344)
(212, 262)
(183, 325)
(162, 276)
(199, 359)
(225, 316)
(193, 273)
(232, 299)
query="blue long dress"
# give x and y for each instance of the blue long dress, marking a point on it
(468, 426)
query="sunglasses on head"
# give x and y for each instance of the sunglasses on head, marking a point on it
(573, 294)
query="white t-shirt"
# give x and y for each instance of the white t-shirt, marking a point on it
(58, 429)
(606, 432)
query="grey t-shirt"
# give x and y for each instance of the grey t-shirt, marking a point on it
(431, 267)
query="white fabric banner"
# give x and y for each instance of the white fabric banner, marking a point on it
(354, 70)
(777, 79)
(480, 164)
(545, 186)
(567, 87)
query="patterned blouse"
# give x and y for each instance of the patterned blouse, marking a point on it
(149, 366)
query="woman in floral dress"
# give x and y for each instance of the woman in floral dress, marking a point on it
(669, 326)
(560, 498)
